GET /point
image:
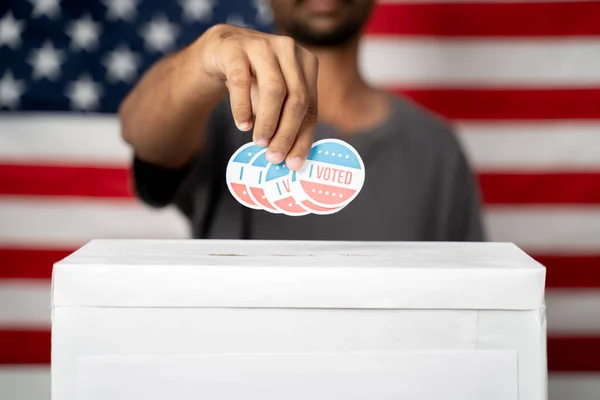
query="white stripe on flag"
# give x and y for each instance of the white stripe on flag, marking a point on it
(556, 146)
(568, 312)
(570, 386)
(62, 139)
(426, 62)
(546, 229)
(573, 312)
(25, 303)
(519, 146)
(64, 221)
(25, 382)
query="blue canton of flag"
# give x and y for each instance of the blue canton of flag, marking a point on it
(84, 56)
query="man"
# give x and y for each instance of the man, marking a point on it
(194, 108)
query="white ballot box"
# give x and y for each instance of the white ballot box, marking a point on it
(274, 320)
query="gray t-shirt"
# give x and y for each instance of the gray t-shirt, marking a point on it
(418, 186)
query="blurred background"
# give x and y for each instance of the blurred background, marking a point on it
(520, 81)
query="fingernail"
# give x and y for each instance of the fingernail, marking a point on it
(262, 142)
(244, 126)
(274, 158)
(295, 163)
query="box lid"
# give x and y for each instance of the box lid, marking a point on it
(298, 274)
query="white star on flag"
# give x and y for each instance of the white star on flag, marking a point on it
(320, 191)
(120, 9)
(84, 33)
(10, 90)
(326, 153)
(159, 34)
(10, 31)
(341, 195)
(277, 167)
(264, 12)
(347, 157)
(249, 154)
(340, 155)
(197, 10)
(121, 65)
(46, 62)
(320, 151)
(48, 8)
(84, 93)
(333, 154)
(290, 204)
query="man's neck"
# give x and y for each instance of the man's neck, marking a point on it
(345, 99)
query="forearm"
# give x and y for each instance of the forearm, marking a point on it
(163, 118)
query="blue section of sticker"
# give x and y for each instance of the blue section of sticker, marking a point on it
(261, 160)
(245, 156)
(294, 176)
(334, 153)
(276, 171)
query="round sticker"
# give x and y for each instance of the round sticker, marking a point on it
(332, 176)
(278, 191)
(256, 179)
(305, 202)
(238, 171)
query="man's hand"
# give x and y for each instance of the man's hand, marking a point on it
(271, 77)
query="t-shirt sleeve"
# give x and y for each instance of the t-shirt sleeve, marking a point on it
(464, 217)
(159, 187)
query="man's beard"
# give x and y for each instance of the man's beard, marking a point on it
(344, 34)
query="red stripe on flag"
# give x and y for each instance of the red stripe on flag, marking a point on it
(571, 271)
(574, 354)
(508, 103)
(568, 354)
(577, 18)
(24, 347)
(49, 180)
(540, 188)
(21, 263)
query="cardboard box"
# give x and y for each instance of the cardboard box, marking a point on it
(224, 320)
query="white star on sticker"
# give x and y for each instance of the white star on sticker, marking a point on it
(197, 10)
(320, 191)
(249, 154)
(347, 157)
(237, 20)
(333, 194)
(284, 166)
(263, 197)
(341, 195)
(84, 33)
(46, 62)
(84, 93)
(244, 192)
(49, 8)
(121, 65)
(277, 167)
(333, 154)
(264, 13)
(120, 9)
(159, 34)
(10, 90)
(314, 190)
(10, 31)
(290, 204)
(340, 155)
(326, 193)
(326, 153)
(320, 151)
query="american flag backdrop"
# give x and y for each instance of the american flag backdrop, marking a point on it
(520, 81)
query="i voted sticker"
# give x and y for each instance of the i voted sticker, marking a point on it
(238, 171)
(256, 180)
(303, 199)
(278, 191)
(332, 176)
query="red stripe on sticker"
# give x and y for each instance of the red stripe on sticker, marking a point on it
(540, 188)
(326, 194)
(499, 19)
(24, 347)
(507, 103)
(77, 181)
